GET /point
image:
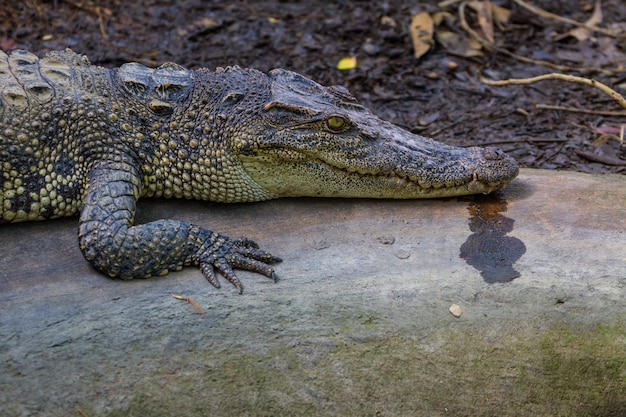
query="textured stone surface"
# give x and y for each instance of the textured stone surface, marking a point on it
(358, 323)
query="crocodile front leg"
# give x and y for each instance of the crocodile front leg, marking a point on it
(110, 241)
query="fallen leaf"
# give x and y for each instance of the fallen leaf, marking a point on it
(6, 44)
(500, 14)
(346, 63)
(440, 17)
(198, 27)
(601, 140)
(485, 20)
(581, 33)
(422, 29)
(190, 301)
(388, 21)
(428, 119)
(457, 44)
(451, 65)
(608, 129)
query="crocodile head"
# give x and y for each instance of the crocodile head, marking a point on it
(319, 141)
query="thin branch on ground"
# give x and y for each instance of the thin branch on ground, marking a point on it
(540, 12)
(446, 3)
(522, 139)
(604, 159)
(585, 111)
(494, 48)
(99, 12)
(563, 77)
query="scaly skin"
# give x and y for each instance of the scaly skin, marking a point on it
(81, 139)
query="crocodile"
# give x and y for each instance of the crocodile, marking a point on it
(80, 139)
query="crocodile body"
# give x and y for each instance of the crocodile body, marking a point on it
(78, 139)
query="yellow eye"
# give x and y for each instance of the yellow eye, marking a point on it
(336, 123)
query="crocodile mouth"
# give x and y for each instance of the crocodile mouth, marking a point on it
(293, 173)
(401, 178)
(469, 184)
(490, 169)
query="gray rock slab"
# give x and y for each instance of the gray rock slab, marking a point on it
(358, 322)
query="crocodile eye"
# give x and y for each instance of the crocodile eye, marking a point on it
(336, 123)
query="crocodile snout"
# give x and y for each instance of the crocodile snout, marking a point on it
(497, 167)
(495, 154)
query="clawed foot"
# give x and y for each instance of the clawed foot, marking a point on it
(224, 254)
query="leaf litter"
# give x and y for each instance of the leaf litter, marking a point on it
(415, 64)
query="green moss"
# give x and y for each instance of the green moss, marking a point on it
(459, 372)
(587, 372)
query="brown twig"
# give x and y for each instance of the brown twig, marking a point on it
(604, 159)
(190, 301)
(492, 47)
(88, 8)
(585, 111)
(446, 3)
(563, 77)
(96, 10)
(101, 21)
(81, 412)
(603, 135)
(540, 12)
(516, 140)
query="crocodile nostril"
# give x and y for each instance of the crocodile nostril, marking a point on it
(493, 153)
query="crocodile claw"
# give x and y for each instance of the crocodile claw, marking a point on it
(224, 255)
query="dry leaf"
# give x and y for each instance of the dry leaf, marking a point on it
(485, 20)
(388, 21)
(428, 118)
(440, 17)
(581, 33)
(198, 27)
(7, 44)
(190, 301)
(500, 14)
(458, 45)
(346, 63)
(422, 29)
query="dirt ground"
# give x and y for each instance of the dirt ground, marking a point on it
(437, 95)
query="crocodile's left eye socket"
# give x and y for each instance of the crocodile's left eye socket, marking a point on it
(336, 123)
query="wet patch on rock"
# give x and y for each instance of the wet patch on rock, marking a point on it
(488, 248)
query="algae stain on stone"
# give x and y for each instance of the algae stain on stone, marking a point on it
(488, 248)
(587, 369)
(522, 371)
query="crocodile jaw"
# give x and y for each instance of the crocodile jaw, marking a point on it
(294, 173)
